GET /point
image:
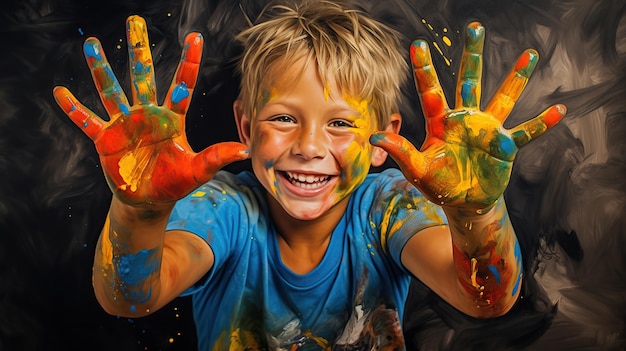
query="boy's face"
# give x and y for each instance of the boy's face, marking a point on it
(309, 144)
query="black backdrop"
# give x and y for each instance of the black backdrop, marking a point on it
(566, 195)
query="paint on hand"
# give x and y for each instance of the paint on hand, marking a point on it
(132, 167)
(180, 92)
(104, 78)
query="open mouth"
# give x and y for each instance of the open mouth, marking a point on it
(306, 181)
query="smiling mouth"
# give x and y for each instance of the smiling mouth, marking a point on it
(306, 181)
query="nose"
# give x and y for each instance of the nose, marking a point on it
(311, 143)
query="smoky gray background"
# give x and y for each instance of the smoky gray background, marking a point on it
(566, 196)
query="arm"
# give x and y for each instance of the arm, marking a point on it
(474, 264)
(148, 165)
(464, 166)
(138, 268)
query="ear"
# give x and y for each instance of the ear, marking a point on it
(378, 154)
(243, 123)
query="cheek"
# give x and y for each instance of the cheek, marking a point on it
(267, 143)
(355, 158)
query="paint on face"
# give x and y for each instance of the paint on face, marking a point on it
(359, 151)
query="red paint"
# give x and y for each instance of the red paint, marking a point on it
(523, 61)
(554, 115)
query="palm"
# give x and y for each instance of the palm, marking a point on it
(468, 165)
(467, 155)
(151, 163)
(143, 149)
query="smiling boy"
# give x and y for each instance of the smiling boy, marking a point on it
(310, 251)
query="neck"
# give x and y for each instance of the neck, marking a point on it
(303, 243)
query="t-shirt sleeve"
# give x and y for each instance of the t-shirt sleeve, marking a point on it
(218, 212)
(400, 211)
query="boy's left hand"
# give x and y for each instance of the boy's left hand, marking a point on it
(466, 158)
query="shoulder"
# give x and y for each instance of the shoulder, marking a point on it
(385, 186)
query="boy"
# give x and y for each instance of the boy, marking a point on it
(310, 252)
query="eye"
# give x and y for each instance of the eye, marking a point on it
(283, 118)
(341, 123)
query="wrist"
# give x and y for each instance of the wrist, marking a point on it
(468, 220)
(487, 258)
(145, 212)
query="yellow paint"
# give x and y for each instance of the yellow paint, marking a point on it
(384, 224)
(198, 194)
(132, 166)
(474, 271)
(327, 90)
(441, 53)
(137, 31)
(446, 40)
(106, 248)
(318, 340)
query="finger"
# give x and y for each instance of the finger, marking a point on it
(428, 87)
(527, 131)
(505, 98)
(111, 94)
(184, 82)
(140, 59)
(468, 89)
(210, 160)
(409, 159)
(83, 117)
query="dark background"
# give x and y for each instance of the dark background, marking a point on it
(566, 196)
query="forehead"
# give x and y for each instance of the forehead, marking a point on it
(285, 75)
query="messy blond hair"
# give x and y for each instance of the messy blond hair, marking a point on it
(364, 56)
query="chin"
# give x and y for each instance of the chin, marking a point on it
(305, 212)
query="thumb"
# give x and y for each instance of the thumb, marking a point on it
(404, 153)
(213, 158)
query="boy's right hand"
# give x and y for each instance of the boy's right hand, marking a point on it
(143, 148)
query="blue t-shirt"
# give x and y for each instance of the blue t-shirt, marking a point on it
(353, 300)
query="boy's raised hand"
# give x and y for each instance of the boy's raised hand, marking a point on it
(143, 147)
(467, 155)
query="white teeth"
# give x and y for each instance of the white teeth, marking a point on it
(307, 181)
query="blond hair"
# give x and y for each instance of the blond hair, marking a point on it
(364, 56)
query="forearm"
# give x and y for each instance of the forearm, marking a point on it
(128, 258)
(487, 259)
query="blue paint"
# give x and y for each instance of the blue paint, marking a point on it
(518, 256)
(377, 138)
(495, 272)
(124, 108)
(467, 94)
(92, 49)
(80, 31)
(180, 92)
(508, 146)
(133, 270)
(133, 308)
(142, 69)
